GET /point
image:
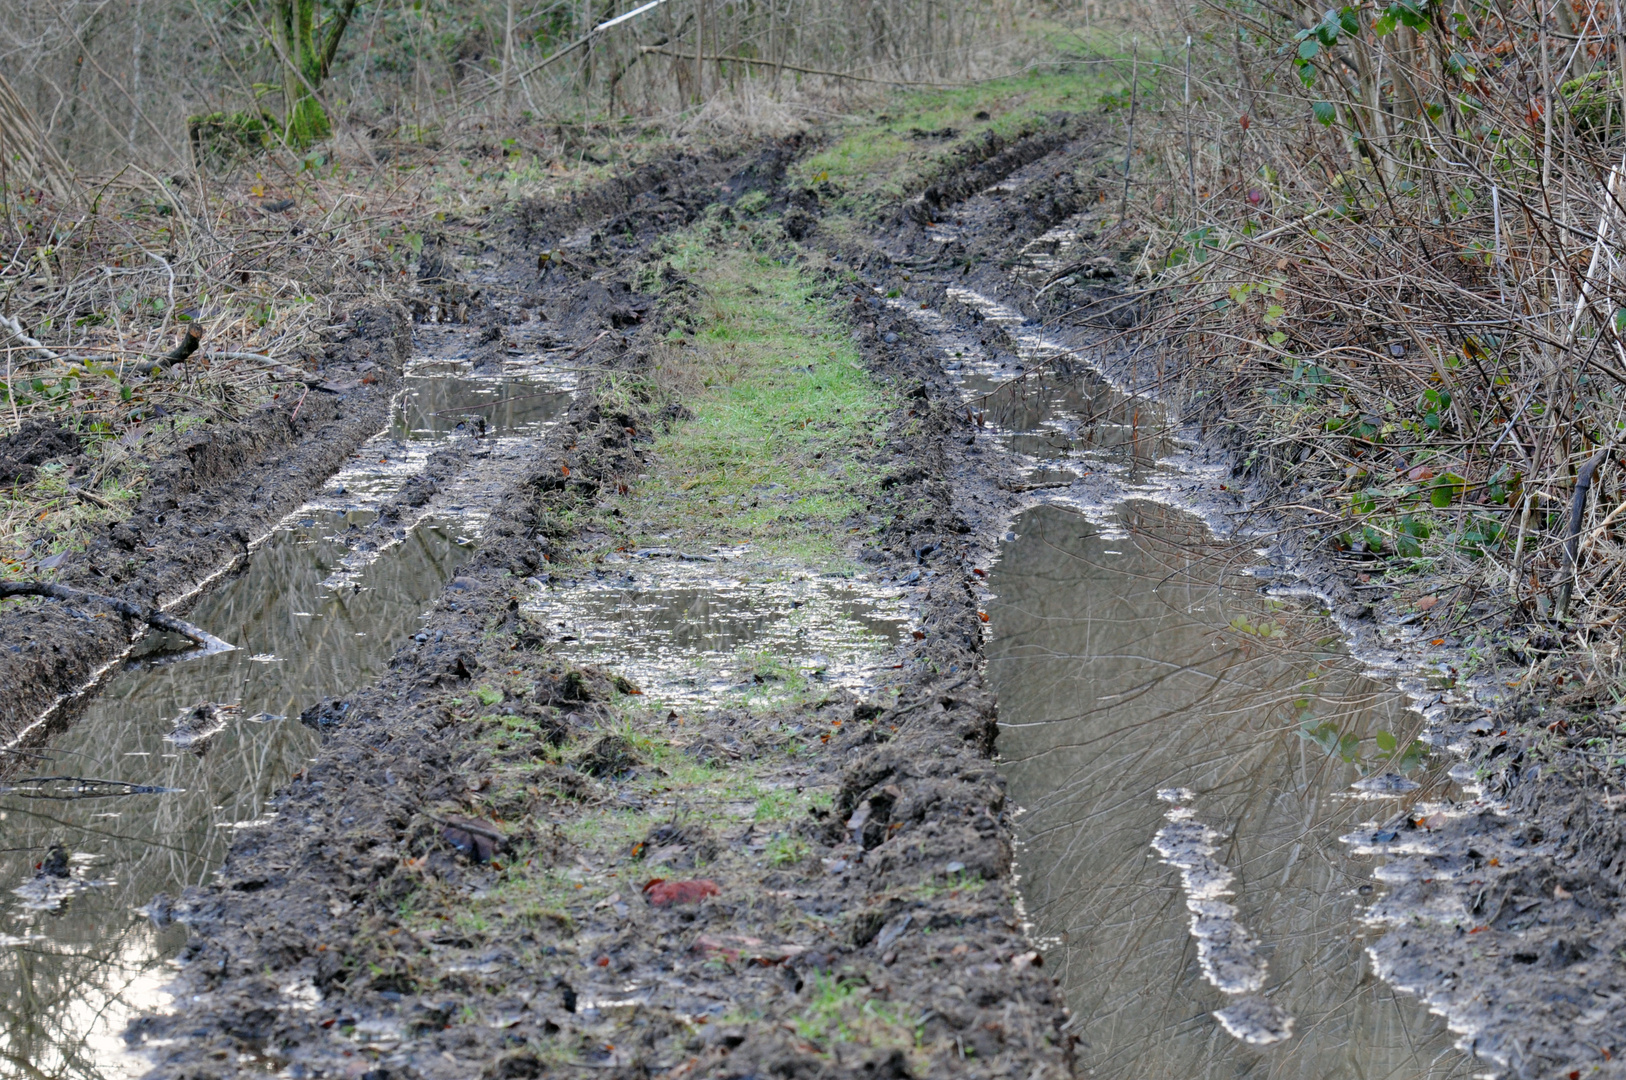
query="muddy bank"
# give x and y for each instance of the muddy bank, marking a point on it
(212, 492)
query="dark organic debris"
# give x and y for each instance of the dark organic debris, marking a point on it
(610, 756)
(200, 723)
(55, 863)
(325, 714)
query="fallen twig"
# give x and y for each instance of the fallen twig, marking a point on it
(14, 329)
(190, 340)
(151, 616)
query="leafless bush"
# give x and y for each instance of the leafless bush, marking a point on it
(1393, 231)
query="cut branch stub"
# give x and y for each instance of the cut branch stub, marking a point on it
(191, 338)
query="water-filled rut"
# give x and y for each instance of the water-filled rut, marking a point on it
(1189, 740)
(318, 607)
(1137, 659)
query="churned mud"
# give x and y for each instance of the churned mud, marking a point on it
(631, 704)
(507, 858)
(211, 493)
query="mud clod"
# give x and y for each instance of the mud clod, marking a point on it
(610, 756)
(33, 444)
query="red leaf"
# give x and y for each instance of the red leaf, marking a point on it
(663, 893)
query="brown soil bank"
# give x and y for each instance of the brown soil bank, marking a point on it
(213, 491)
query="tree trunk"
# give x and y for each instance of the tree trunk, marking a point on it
(305, 63)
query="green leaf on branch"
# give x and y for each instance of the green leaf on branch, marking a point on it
(1325, 112)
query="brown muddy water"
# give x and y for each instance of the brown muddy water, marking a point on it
(320, 607)
(726, 628)
(1187, 745)
(1136, 658)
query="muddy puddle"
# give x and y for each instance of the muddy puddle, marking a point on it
(1189, 750)
(1188, 745)
(1029, 395)
(719, 627)
(143, 807)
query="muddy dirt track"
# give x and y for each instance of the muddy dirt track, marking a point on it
(486, 872)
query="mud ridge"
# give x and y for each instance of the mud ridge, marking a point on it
(214, 491)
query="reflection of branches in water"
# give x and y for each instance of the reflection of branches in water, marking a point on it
(1121, 674)
(62, 1001)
